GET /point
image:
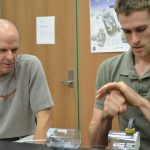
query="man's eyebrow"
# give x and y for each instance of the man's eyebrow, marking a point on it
(141, 26)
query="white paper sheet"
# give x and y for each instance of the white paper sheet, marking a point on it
(45, 30)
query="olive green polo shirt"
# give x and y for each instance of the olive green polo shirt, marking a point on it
(121, 68)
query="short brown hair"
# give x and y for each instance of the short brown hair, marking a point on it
(127, 6)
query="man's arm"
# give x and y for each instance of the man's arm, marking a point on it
(44, 122)
(101, 122)
(99, 127)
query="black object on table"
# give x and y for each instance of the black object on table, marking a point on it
(6, 145)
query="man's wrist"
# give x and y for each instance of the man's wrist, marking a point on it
(106, 116)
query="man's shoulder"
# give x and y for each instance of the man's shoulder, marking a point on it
(123, 57)
(25, 61)
(27, 58)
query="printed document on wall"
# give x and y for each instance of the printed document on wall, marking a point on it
(45, 30)
(105, 32)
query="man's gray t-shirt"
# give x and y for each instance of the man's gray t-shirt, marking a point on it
(121, 68)
(23, 92)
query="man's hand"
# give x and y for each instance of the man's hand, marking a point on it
(115, 103)
(130, 96)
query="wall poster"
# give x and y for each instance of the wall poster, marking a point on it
(105, 32)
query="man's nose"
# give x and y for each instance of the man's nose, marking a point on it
(9, 54)
(135, 38)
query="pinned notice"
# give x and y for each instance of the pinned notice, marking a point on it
(45, 30)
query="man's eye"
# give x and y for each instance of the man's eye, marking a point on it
(127, 31)
(5, 50)
(2, 50)
(14, 50)
(141, 29)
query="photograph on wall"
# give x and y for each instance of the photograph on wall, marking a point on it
(105, 32)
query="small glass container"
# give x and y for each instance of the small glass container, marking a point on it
(63, 138)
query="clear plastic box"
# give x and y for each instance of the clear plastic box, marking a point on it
(119, 140)
(63, 138)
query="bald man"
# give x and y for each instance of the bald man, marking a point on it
(24, 92)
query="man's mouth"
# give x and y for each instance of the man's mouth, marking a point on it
(138, 48)
(8, 65)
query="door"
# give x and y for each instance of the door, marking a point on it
(88, 68)
(59, 60)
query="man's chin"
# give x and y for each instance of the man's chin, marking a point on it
(6, 71)
(138, 50)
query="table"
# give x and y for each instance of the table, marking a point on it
(5, 145)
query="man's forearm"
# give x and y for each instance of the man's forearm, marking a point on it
(98, 131)
(44, 122)
(144, 106)
(40, 133)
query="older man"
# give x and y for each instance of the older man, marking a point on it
(24, 92)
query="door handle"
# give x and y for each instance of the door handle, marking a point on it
(70, 81)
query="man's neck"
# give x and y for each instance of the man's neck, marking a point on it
(142, 65)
